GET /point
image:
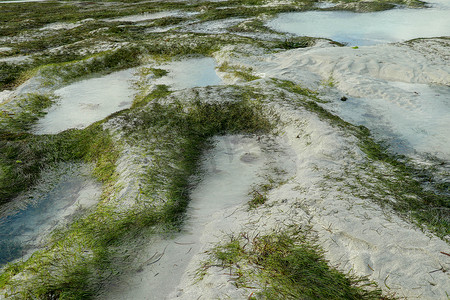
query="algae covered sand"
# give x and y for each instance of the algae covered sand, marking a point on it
(191, 142)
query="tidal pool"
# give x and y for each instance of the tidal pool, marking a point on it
(26, 222)
(417, 123)
(189, 73)
(85, 102)
(362, 29)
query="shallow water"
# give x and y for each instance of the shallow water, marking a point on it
(85, 102)
(230, 168)
(189, 73)
(373, 28)
(24, 226)
(418, 124)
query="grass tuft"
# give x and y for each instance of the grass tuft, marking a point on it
(240, 72)
(287, 265)
(159, 72)
(297, 42)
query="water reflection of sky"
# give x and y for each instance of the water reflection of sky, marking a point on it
(21, 230)
(85, 102)
(189, 73)
(368, 28)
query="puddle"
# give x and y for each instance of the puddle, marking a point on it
(368, 28)
(85, 102)
(230, 169)
(189, 73)
(418, 124)
(25, 222)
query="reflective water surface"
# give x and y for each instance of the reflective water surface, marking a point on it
(189, 73)
(85, 102)
(373, 28)
(65, 192)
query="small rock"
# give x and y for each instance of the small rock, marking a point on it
(343, 98)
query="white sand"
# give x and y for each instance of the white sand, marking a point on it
(357, 234)
(32, 85)
(213, 27)
(61, 26)
(5, 95)
(152, 16)
(389, 81)
(5, 49)
(15, 59)
(20, 1)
